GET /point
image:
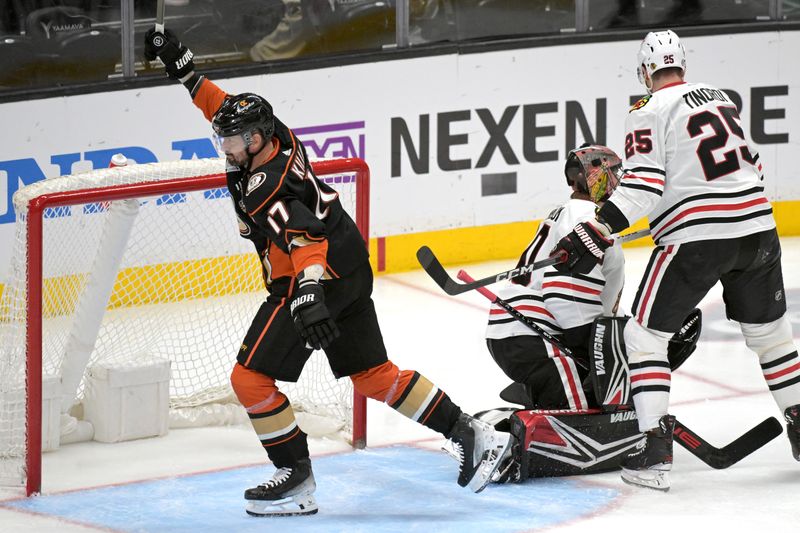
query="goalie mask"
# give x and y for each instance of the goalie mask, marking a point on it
(237, 118)
(659, 50)
(594, 170)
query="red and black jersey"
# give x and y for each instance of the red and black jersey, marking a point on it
(293, 219)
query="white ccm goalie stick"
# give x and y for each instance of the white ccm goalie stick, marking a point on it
(718, 458)
(160, 16)
(159, 27)
(436, 271)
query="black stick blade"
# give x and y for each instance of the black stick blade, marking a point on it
(734, 452)
(433, 267)
(438, 274)
(753, 440)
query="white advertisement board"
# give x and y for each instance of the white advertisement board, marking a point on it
(452, 140)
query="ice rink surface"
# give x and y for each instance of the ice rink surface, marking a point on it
(192, 479)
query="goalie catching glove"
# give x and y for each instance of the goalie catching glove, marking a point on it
(311, 317)
(583, 248)
(177, 58)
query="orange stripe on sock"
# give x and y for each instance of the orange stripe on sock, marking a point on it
(290, 437)
(441, 395)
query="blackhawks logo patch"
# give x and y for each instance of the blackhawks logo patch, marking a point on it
(641, 103)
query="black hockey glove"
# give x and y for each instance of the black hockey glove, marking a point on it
(311, 316)
(584, 248)
(176, 58)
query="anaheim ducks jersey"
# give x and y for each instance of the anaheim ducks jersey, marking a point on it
(554, 300)
(293, 219)
(689, 167)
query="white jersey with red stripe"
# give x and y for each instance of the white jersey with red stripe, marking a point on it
(689, 167)
(554, 300)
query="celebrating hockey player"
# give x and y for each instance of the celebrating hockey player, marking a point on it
(316, 270)
(563, 305)
(689, 168)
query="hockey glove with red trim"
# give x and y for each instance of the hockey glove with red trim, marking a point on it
(584, 247)
(176, 57)
(311, 317)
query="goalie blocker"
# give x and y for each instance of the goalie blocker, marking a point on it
(560, 442)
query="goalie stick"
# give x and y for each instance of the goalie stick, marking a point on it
(159, 27)
(718, 458)
(436, 271)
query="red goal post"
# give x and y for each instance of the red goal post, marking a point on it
(34, 279)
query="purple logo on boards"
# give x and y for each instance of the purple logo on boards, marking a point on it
(333, 140)
(330, 141)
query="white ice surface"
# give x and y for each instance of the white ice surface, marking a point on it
(719, 393)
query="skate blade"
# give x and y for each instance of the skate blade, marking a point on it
(648, 479)
(449, 448)
(507, 472)
(491, 461)
(298, 505)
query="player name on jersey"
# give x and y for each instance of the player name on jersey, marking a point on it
(703, 95)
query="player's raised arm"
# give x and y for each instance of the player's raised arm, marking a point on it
(178, 61)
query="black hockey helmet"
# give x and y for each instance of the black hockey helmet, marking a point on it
(242, 113)
(594, 169)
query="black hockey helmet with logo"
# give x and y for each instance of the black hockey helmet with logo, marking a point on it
(594, 170)
(242, 113)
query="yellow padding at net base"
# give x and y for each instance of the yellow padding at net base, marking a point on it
(163, 283)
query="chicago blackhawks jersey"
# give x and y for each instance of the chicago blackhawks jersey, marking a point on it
(554, 300)
(689, 167)
(293, 219)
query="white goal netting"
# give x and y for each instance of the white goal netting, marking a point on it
(127, 280)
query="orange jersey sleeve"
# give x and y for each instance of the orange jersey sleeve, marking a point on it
(312, 254)
(209, 98)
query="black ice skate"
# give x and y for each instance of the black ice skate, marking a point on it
(792, 416)
(648, 465)
(289, 492)
(479, 449)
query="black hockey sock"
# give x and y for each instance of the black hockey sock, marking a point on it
(280, 435)
(289, 452)
(444, 416)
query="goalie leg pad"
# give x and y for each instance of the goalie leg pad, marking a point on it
(563, 443)
(609, 359)
(608, 363)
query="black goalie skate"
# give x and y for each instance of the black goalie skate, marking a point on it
(792, 416)
(648, 465)
(289, 492)
(479, 449)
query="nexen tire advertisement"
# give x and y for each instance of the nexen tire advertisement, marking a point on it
(453, 141)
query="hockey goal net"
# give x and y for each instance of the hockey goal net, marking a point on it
(123, 266)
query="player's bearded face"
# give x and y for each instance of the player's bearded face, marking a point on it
(234, 148)
(239, 150)
(240, 158)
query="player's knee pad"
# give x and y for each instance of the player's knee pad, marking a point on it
(644, 343)
(379, 382)
(769, 340)
(257, 392)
